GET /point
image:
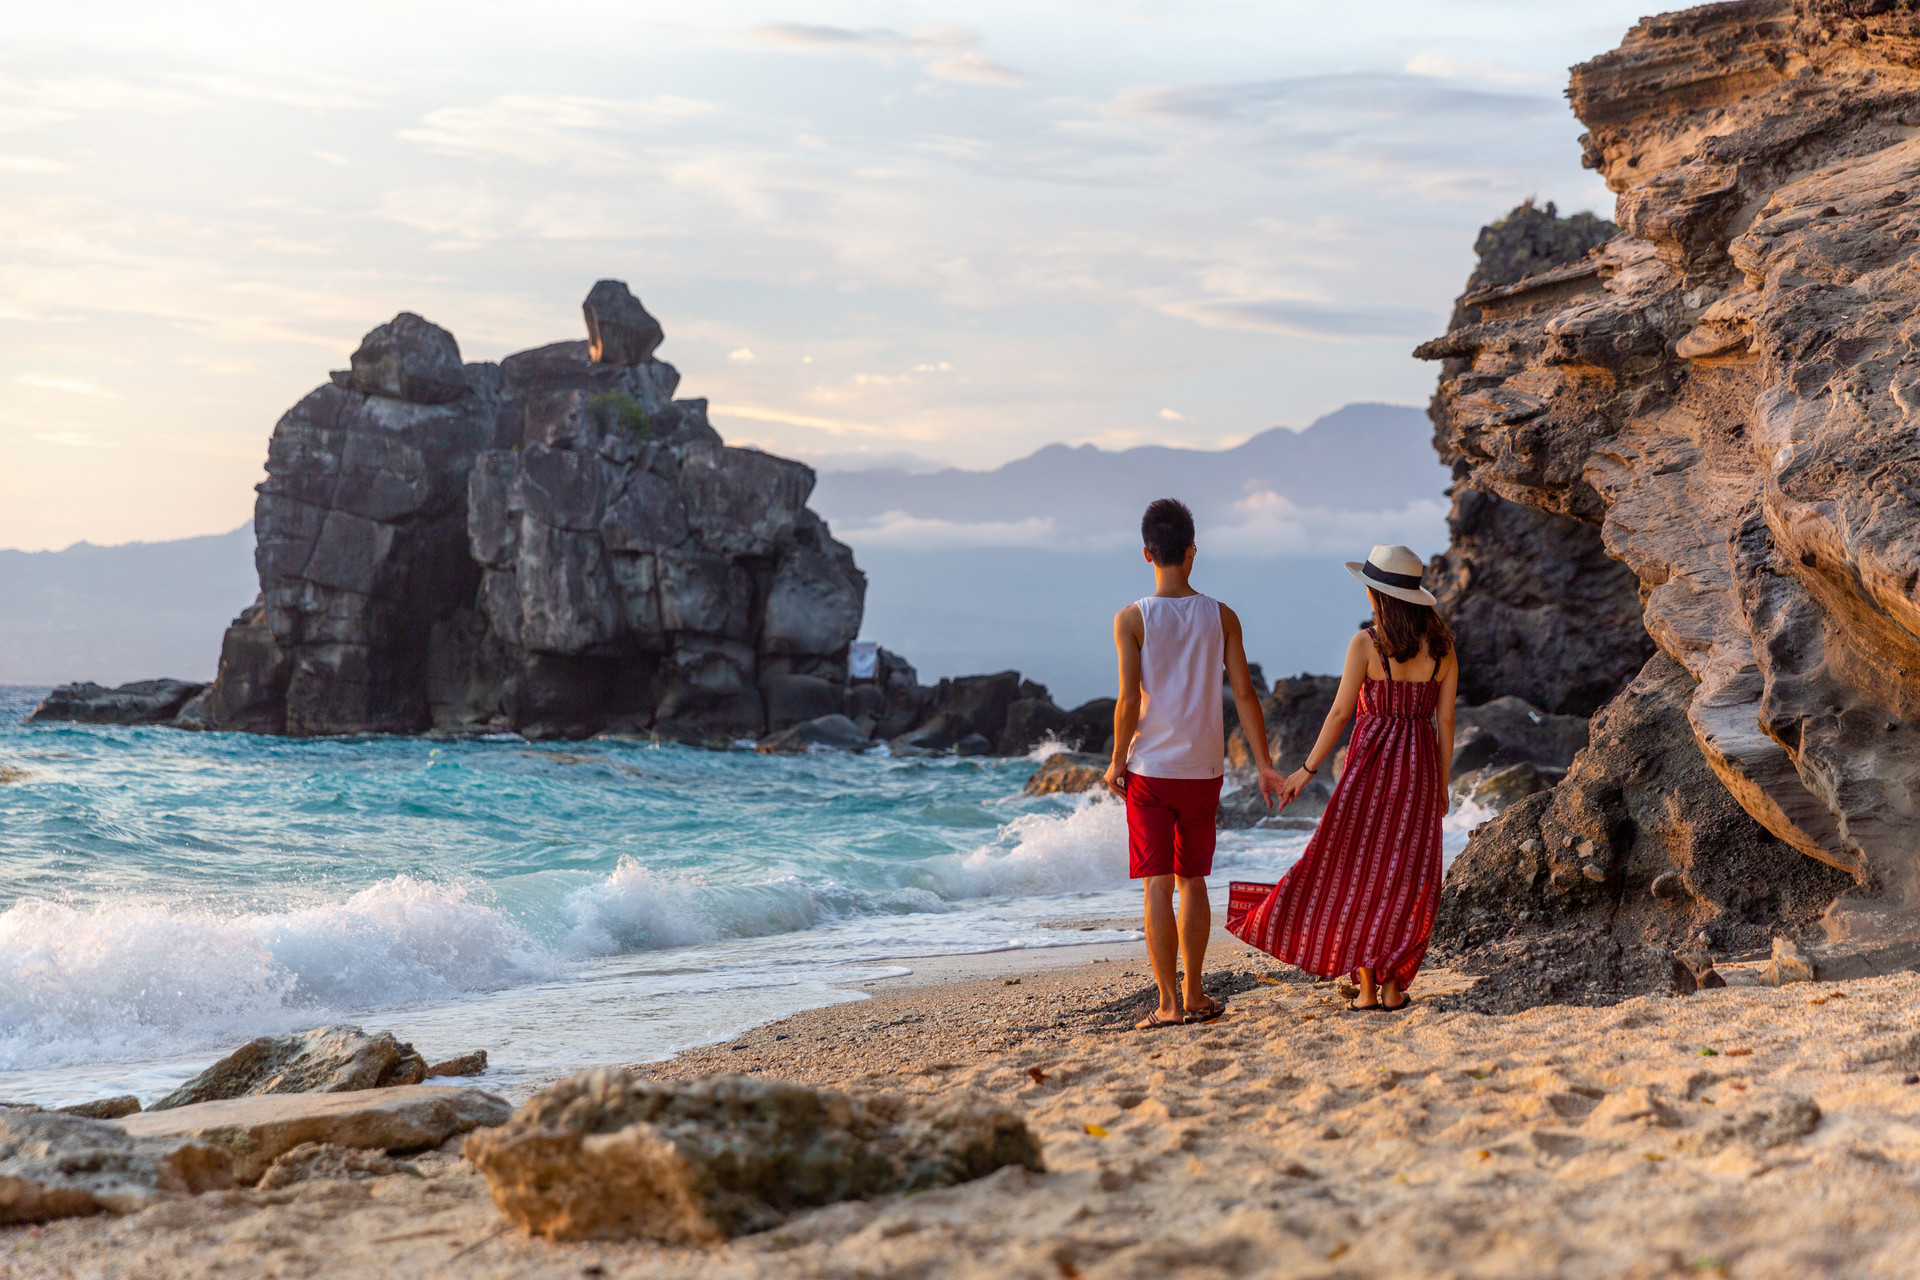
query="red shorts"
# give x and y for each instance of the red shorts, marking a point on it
(1170, 825)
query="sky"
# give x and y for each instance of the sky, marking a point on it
(875, 231)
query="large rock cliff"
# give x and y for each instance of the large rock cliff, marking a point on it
(552, 544)
(1728, 392)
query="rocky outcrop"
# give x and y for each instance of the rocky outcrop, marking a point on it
(143, 702)
(1068, 773)
(605, 1155)
(552, 544)
(1726, 391)
(1540, 609)
(325, 1060)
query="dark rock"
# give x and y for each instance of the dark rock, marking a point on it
(607, 1156)
(1497, 786)
(1540, 610)
(938, 734)
(1093, 724)
(553, 546)
(409, 358)
(974, 744)
(619, 330)
(1032, 721)
(1640, 805)
(828, 733)
(792, 699)
(1068, 773)
(143, 702)
(979, 703)
(332, 1059)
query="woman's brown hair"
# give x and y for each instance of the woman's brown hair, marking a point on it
(1403, 626)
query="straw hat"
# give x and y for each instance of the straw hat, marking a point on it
(1393, 571)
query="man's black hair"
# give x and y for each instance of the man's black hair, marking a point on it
(1167, 530)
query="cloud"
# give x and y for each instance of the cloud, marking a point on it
(897, 531)
(1443, 68)
(29, 104)
(1173, 415)
(949, 53)
(1303, 318)
(70, 439)
(744, 355)
(832, 426)
(1268, 524)
(31, 164)
(330, 157)
(971, 68)
(69, 386)
(589, 135)
(286, 89)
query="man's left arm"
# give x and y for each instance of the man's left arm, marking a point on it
(1247, 702)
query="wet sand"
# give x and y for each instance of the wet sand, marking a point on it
(1748, 1132)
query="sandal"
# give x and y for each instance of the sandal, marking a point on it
(1384, 1007)
(1155, 1022)
(1375, 1007)
(1213, 1010)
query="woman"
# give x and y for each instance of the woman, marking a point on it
(1362, 898)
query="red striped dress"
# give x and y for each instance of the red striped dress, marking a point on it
(1364, 893)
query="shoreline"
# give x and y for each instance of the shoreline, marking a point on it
(1711, 1134)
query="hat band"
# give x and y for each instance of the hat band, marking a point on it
(1407, 581)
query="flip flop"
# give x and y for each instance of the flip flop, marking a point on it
(1375, 1007)
(1394, 1008)
(1196, 1017)
(1155, 1022)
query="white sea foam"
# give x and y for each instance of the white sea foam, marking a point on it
(123, 980)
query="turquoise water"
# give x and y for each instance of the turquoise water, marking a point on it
(165, 895)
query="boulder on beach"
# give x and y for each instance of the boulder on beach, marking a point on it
(64, 1166)
(409, 358)
(607, 1155)
(257, 1131)
(325, 1060)
(142, 702)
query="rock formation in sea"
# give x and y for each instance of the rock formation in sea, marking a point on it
(1726, 391)
(554, 546)
(551, 544)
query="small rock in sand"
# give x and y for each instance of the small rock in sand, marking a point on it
(1787, 965)
(467, 1064)
(606, 1155)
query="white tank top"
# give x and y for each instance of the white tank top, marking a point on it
(1180, 733)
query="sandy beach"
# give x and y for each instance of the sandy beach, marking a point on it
(1747, 1132)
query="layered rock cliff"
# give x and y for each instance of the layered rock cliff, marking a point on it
(1728, 392)
(552, 544)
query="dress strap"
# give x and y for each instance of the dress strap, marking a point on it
(1386, 663)
(1436, 669)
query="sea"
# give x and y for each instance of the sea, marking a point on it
(166, 896)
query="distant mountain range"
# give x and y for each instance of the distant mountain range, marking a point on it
(114, 614)
(1022, 566)
(1282, 492)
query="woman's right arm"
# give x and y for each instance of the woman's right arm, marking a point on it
(1352, 676)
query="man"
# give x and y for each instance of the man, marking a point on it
(1169, 753)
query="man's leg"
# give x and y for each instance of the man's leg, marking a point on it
(1196, 922)
(1163, 945)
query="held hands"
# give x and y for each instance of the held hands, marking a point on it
(1273, 787)
(1296, 783)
